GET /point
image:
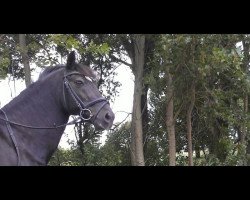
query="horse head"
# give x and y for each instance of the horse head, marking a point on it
(82, 97)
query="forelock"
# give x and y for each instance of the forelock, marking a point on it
(87, 71)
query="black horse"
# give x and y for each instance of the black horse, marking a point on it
(31, 125)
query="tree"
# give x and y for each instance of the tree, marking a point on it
(25, 59)
(244, 137)
(137, 133)
(189, 124)
(170, 123)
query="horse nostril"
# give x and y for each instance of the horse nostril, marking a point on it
(107, 116)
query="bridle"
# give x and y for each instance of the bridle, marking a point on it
(83, 107)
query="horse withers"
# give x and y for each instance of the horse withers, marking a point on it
(31, 125)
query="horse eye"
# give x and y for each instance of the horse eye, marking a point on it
(78, 82)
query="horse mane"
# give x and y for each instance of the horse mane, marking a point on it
(84, 69)
(49, 70)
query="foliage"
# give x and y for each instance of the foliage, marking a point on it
(116, 150)
(215, 64)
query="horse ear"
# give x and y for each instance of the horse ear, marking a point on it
(71, 60)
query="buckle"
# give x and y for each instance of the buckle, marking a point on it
(86, 114)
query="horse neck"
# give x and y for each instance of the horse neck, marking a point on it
(39, 105)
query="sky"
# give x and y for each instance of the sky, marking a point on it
(123, 102)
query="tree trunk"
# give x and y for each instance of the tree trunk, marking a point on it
(144, 110)
(244, 137)
(189, 125)
(170, 118)
(248, 142)
(245, 68)
(248, 153)
(244, 128)
(25, 58)
(145, 119)
(137, 155)
(197, 151)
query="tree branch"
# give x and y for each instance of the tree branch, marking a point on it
(120, 60)
(178, 111)
(118, 124)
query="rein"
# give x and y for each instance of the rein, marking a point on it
(35, 127)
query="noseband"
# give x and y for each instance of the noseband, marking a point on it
(83, 107)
